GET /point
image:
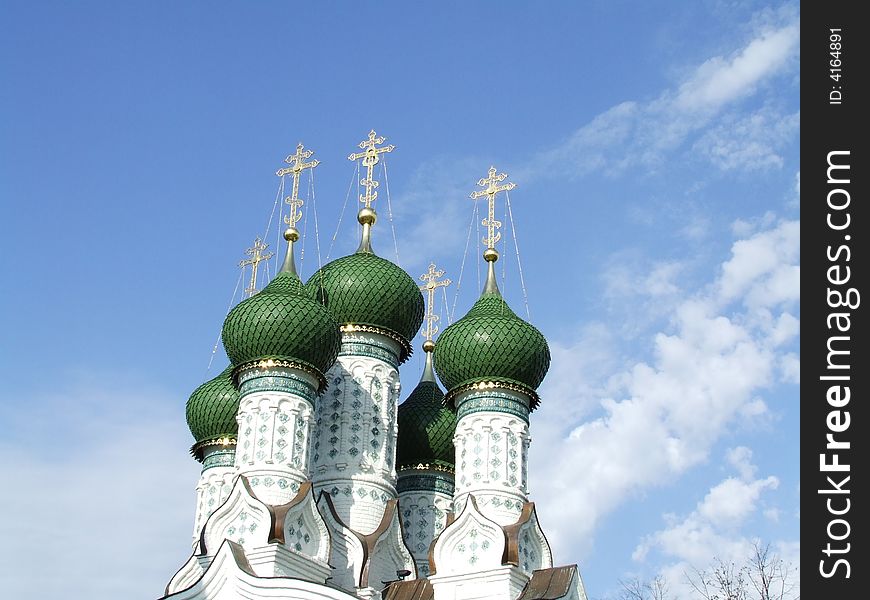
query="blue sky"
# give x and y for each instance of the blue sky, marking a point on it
(655, 150)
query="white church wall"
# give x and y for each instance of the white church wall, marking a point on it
(353, 445)
(275, 418)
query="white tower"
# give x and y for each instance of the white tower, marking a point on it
(211, 416)
(425, 455)
(379, 309)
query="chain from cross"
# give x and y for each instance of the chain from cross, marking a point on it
(297, 165)
(491, 188)
(432, 283)
(370, 157)
(257, 256)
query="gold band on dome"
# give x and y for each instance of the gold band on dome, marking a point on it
(534, 399)
(223, 440)
(425, 467)
(268, 363)
(352, 327)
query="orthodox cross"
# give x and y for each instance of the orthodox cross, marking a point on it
(371, 157)
(297, 165)
(491, 188)
(432, 283)
(257, 256)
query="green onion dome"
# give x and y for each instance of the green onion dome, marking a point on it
(426, 426)
(493, 345)
(365, 290)
(282, 324)
(211, 412)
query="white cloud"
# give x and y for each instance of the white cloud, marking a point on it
(766, 262)
(711, 532)
(745, 228)
(642, 134)
(720, 80)
(729, 503)
(750, 143)
(662, 416)
(790, 367)
(741, 459)
(107, 497)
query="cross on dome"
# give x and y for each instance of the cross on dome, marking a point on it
(297, 165)
(257, 256)
(432, 283)
(491, 188)
(370, 157)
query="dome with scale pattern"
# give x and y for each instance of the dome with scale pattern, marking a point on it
(211, 411)
(365, 289)
(282, 323)
(492, 344)
(426, 429)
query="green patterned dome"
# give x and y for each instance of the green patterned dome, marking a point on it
(282, 323)
(426, 428)
(492, 344)
(365, 289)
(211, 410)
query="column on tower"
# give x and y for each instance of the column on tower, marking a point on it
(425, 460)
(280, 343)
(491, 362)
(379, 309)
(354, 439)
(211, 416)
(424, 451)
(353, 448)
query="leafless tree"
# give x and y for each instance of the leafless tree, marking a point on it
(770, 576)
(642, 589)
(724, 581)
(765, 576)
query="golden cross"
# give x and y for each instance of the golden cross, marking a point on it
(257, 256)
(432, 283)
(297, 165)
(371, 157)
(491, 188)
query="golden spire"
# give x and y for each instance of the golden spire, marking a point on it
(371, 156)
(297, 165)
(491, 188)
(432, 283)
(257, 256)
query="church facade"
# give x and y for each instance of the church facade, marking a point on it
(317, 483)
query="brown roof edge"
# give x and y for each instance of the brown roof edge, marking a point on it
(239, 556)
(549, 584)
(415, 589)
(371, 539)
(511, 554)
(279, 513)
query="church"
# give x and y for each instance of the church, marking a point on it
(317, 482)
